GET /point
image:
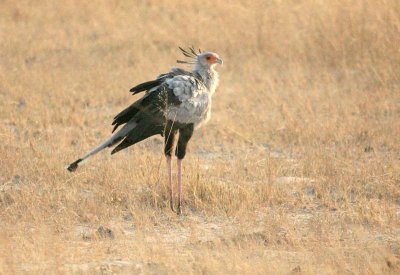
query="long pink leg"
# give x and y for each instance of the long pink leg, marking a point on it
(179, 186)
(171, 199)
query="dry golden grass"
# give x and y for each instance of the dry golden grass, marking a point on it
(297, 172)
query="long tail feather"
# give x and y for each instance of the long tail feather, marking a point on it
(115, 138)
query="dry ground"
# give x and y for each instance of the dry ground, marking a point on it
(297, 172)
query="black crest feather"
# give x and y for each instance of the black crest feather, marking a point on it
(190, 53)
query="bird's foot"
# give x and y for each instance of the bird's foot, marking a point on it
(179, 210)
(171, 205)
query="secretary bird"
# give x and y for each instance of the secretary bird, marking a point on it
(174, 104)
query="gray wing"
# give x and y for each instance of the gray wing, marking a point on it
(154, 84)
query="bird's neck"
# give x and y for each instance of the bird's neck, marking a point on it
(209, 76)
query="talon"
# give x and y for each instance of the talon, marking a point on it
(179, 210)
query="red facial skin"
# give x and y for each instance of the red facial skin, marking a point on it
(211, 59)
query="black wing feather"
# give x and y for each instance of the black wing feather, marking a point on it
(148, 113)
(146, 128)
(146, 86)
(149, 105)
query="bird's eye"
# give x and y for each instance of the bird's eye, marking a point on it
(208, 57)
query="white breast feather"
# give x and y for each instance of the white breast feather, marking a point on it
(196, 101)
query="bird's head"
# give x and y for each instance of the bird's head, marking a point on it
(200, 59)
(209, 59)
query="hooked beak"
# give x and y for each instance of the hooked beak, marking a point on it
(219, 61)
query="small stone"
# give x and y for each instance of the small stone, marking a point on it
(128, 217)
(16, 179)
(6, 198)
(30, 60)
(105, 232)
(296, 270)
(21, 104)
(309, 191)
(368, 149)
